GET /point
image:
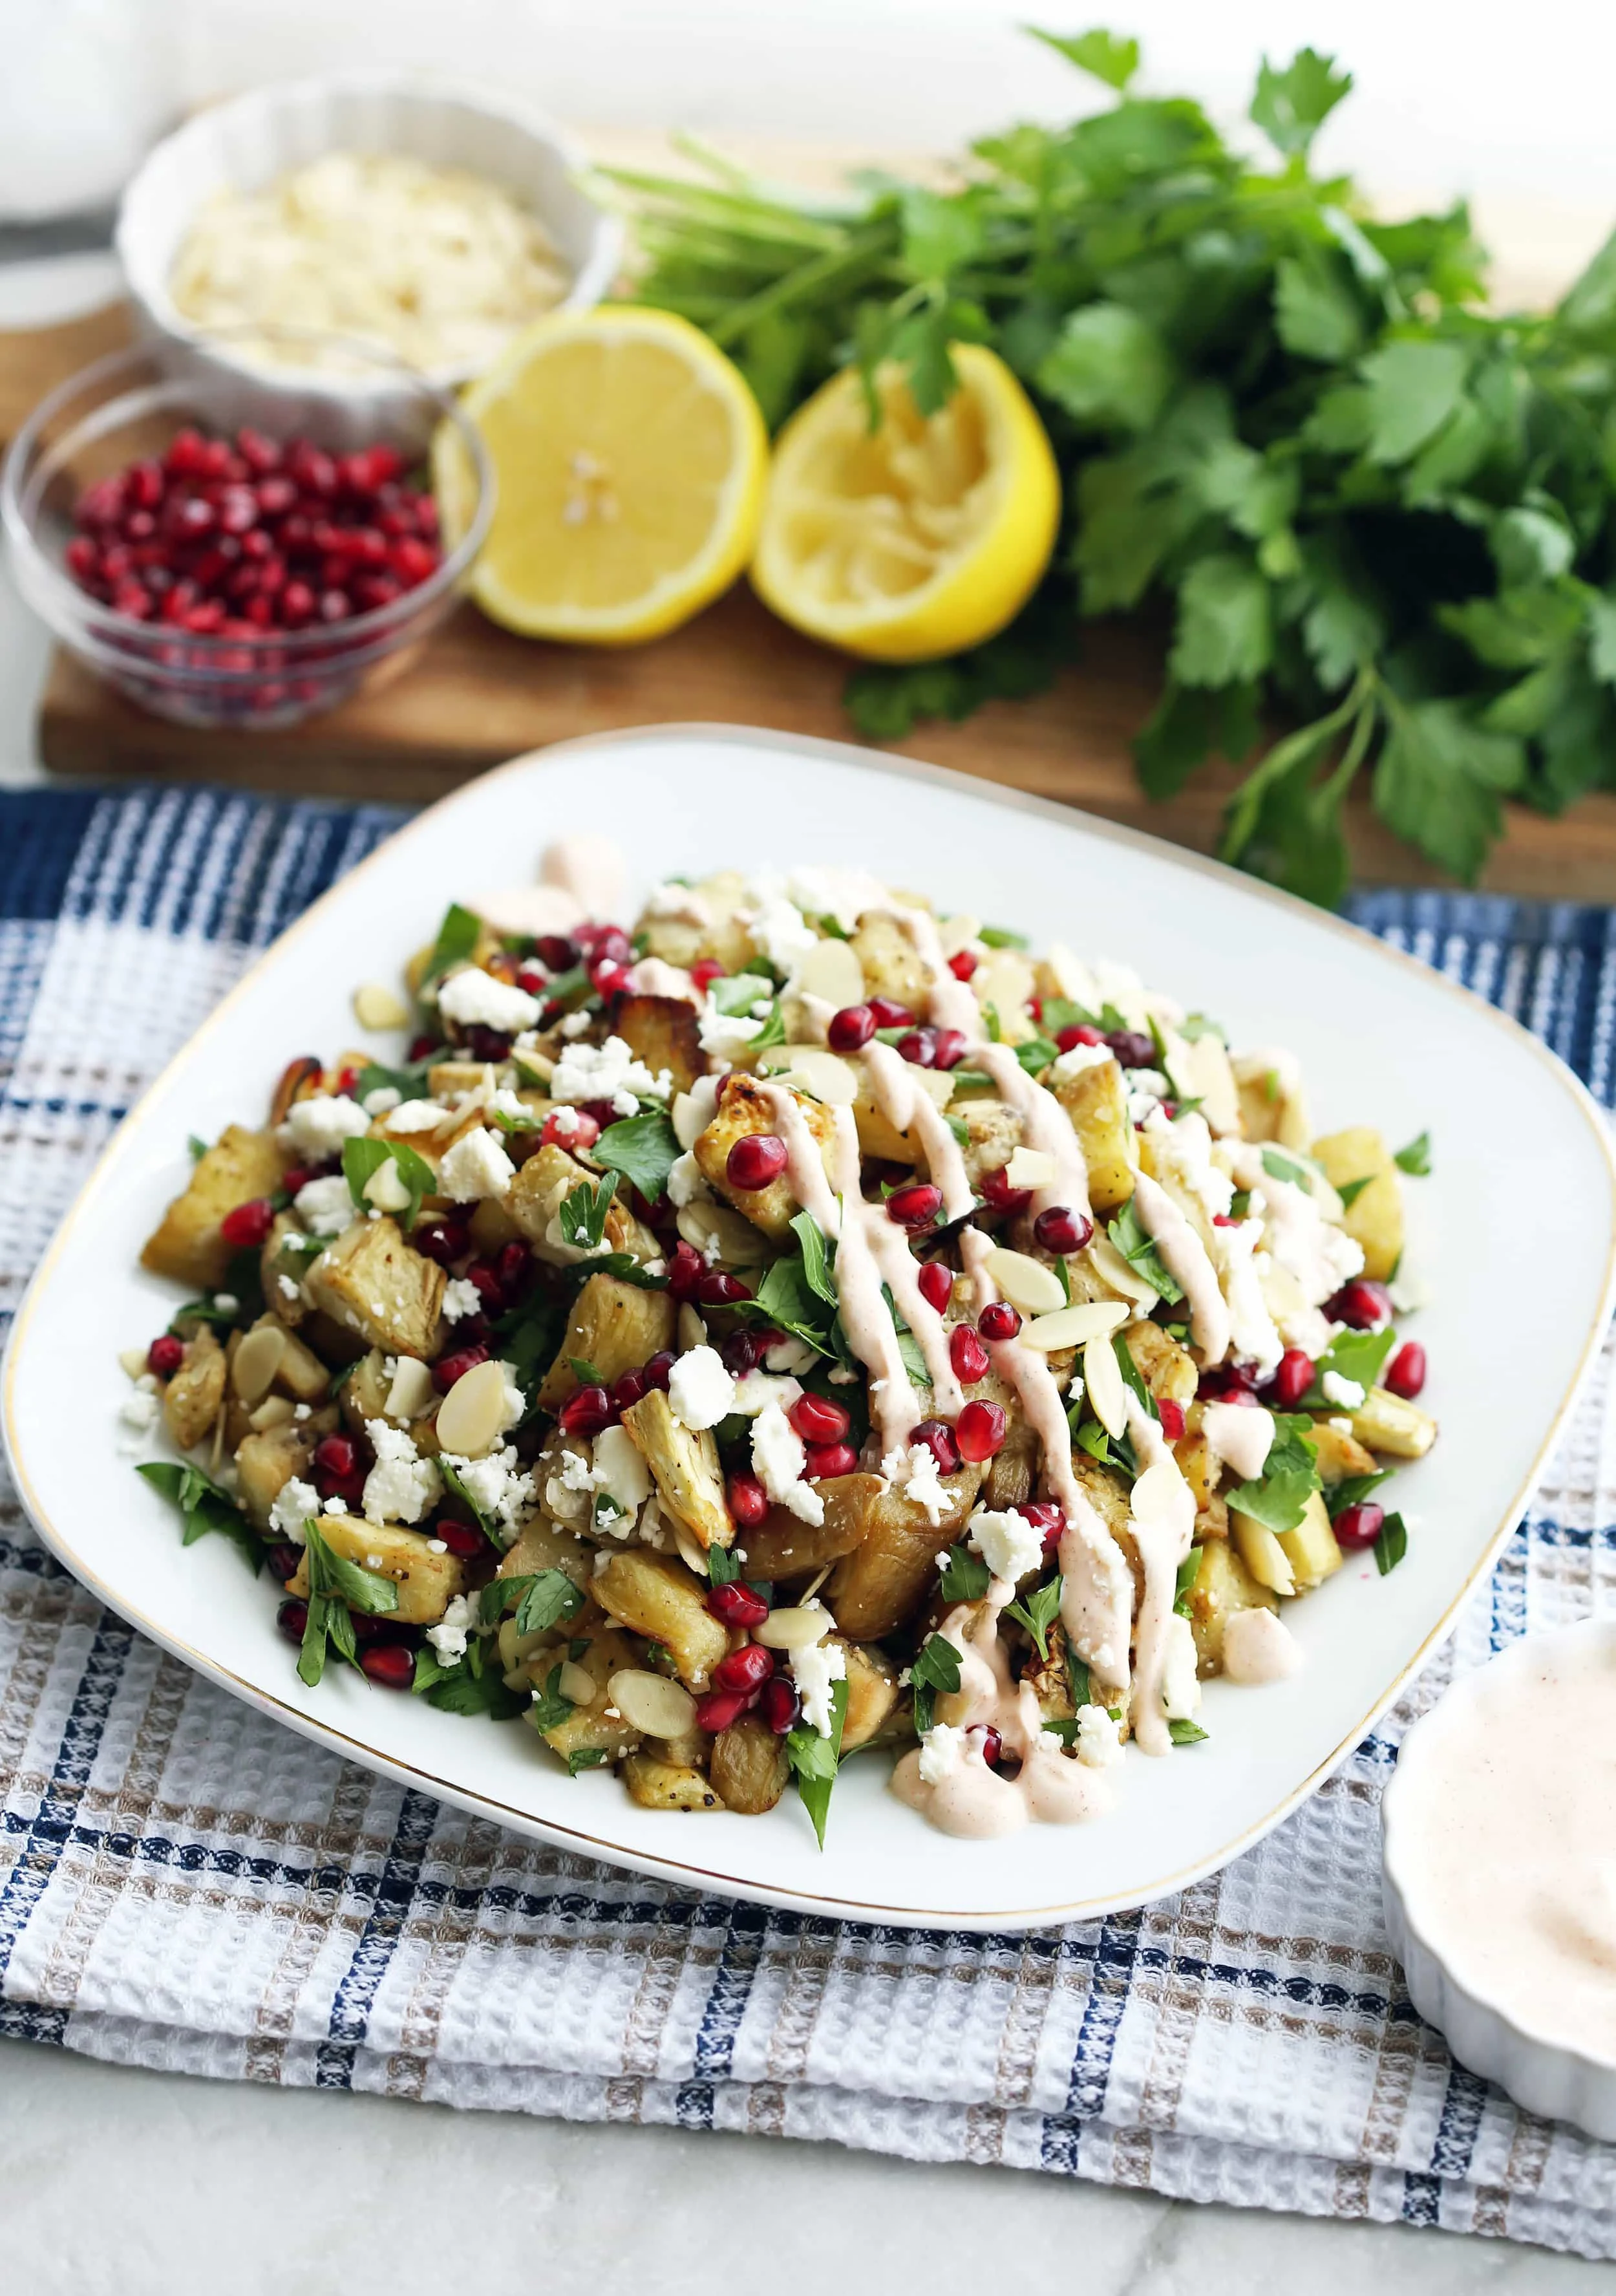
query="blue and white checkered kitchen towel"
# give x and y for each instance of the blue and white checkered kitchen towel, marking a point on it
(184, 1884)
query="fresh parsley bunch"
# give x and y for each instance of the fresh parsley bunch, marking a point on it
(1368, 510)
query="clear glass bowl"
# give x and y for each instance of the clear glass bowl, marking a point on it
(130, 406)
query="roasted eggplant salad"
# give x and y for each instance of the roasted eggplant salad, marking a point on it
(791, 1322)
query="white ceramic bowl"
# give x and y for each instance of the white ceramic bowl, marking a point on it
(248, 143)
(1546, 2076)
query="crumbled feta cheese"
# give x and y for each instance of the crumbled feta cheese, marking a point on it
(844, 894)
(577, 1024)
(943, 1749)
(1081, 1057)
(139, 1412)
(778, 1457)
(790, 1356)
(815, 1670)
(336, 1506)
(497, 1485)
(475, 999)
(460, 1297)
(1180, 1684)
(1099, 1742)
(607, 1071)
(1007, 1543)
(226, 1302)
(725, 1036)
(1336, 1388)
(915, 1472)
(381, 1101)
(685, 1181)
(476, 1166)
(295, 1502)
(756, 1390)
(779, 930)
(300, 1411)
(417, 1116)
(402, 1486)
(577, 1473)
(318, 1128)
(452, 1631)
(291, 1289)
(700, 1390)
(324, 1206)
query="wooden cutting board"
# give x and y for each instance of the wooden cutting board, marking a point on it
(474, 695)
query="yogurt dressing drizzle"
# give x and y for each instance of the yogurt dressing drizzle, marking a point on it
(1162, 1518)
(1185, 1258)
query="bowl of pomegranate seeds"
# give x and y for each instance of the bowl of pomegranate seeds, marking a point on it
(226, 553)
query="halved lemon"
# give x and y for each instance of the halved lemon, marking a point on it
(921, 536)
(629, 457)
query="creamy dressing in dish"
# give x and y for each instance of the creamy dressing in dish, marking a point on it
(1242, 1434)
(1504, 1839)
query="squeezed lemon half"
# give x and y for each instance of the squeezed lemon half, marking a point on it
(921, 536)
(629, 457)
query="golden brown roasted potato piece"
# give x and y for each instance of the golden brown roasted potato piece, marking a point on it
(872, 1692)
(1096, 1101)
(994, 1133)
(784, 1546)
(1005, 979)
(1260, 1552)
(1310, 1549)
(1223, 1585)
(658, 1596)
(533, 1203)
(1013, 1471)
(662, 1032)
(378, 1285)
(615, 1326)
(425, 1581)
(657, 1785)
(192, 1396)
(743, 1109)
(594, 1726)
(1387, 1423)
(873, 1589)
(714, 930)
(891, 962)
(1339, 1454)
(1374, 1219)
(749, 1767)
(877, 1135)
(689, 1481)
(1168, 1369)
(187, 1245)
(266, 1463)
(364, 1393)
(1273, 1102)
(1197, 1463)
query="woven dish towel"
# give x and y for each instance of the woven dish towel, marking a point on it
(184, 1884)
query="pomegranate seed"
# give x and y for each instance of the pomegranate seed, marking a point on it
(314, 473)
(420, 1046)
(850, 1029)
(556, 953)
(444, 1241)
(685, 1270)
(746, 1668)
(936, 1283)
(335, 1454)
(919, 1048)
(292, 1618)
(1000, 1196)
(297, 605)
(979, 1431)
(949, 1048)
(990, 1741)
(660, 1370)
(392, 1665)
(1133, 1048)
(998, 1321)
(735, 1603)
(916, 1206)
(827, 1459)
(1358, 1526)
(628, 1391)
(515, 1265)
(1292, 1377)
(569, 1127)
(609, 979)
(1171, 1416)
(82, 559)
(610, 942)
(276, 497)
(1363, 1305)
(585, 1411)
(335, 605)
(779, 1704)
(486, 1282)
(260, 454)
(165, 1355)
(462, 1539)
(1061, 1230)
(818, 1419)
(704, 972)
(412, 561)
(1047, 1520)
(1405, 1374)
(756, 1160)
(449, 1368)
(740, 1352)
(886, 1012)
(717, 1289)
(598, 1111)
(720, 1707)
(938, 1438)
(962, 964)
(283, 1558)
(1068, 1040)
(969, 1357)
(245, 1227)
(487, 1044)
(748, 1504)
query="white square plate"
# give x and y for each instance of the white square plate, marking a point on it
(1517, 1240)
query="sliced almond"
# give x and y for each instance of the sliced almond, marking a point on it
(1111, 1267)
(257, 1360)
(825, 1077)
(1030, 1168)
(692, 1552)
(1026, 1283)
(378, 1007)
(274, 1411)
(386, 1188)
(1075, 1326)
(471, 1416)
(1103, 1377)
(577, 1682)
(831, 970)
(411, 1392)
(956, 933)
(652, 1702)
(795, 1627)
(133, 1361)
(739, 1244)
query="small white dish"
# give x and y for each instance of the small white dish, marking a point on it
(249, 141)
(1382, 1038)
(1446, 1981)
